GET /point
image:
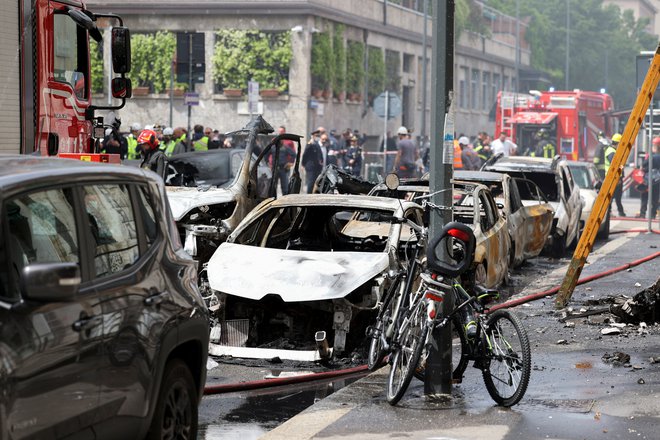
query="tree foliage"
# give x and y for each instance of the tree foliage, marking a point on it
(322, 68)
(243, 55)
(96, 61)
(339, 53)
(354, 67)
(376, 71)
(151, 60)
(603, 43)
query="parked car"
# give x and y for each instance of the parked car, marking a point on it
(473, 205)
(555, 180)
(587, 177)
(103, 332)
(528, 221)
(301, 271)
(205, 214)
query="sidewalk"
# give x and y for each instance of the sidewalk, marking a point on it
(573, 392)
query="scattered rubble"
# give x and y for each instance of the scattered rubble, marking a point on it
(617, 358)
(610, 331)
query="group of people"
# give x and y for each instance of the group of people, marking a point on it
(326, 148)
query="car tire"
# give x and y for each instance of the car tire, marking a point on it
(604, 234)
(175, 415)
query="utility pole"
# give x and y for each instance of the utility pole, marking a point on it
(425, 67)
(439, 365)
(568, 40)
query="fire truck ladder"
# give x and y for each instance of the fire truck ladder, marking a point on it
(507, 109)
(604, 198)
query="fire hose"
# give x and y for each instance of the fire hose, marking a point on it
(291, 380)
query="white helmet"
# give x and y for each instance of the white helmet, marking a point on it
(149, 127)
(463, 140)
(136, 126)
(402, 130)
(168, 131)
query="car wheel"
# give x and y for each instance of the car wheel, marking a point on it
(175, 415)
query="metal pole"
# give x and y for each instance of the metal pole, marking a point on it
(517, 50)
(649, 203)
(171, 90)
(425, 67)
(387, 114)
(190, 87)
(568, 34)
(439, 366)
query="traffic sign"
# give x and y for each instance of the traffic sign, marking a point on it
(393, 107)
(191, 98)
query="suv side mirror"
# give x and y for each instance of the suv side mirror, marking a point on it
(121, 49)
(50, 282)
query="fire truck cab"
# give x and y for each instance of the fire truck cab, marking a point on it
(45, 70)
(572, 120)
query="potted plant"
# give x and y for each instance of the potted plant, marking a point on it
(376, 73)
(179, 89)
(354, 70)
(264, 57)
(322, 68)
(339, 53)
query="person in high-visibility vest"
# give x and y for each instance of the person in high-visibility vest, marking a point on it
(544, 146)
(609, 156)
(168, 143)
(458, 156)
(200, 140)
(482, 146)
(131, 141)
(599, 155)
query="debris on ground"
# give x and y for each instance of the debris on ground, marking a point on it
(617, 358)
(643, 307)
(610, 331)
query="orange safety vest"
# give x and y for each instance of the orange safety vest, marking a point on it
(458, 161)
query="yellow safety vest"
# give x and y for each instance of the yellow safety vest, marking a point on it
(201, 144)
(608, 151)
(458, 160)
(131, 141)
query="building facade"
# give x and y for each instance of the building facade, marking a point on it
(482, 65)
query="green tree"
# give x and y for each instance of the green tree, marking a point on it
(597, 33)
(376, 72)
(96, 61)
(354, 67)
(339, 53)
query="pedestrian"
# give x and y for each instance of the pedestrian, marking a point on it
(544, 147)
(215, 140)
(313, 161)
(168, 142)
(113, 142)
(199, 139)
(609, 156)
(285, 160)
(599, 155)
(651, 175)
(354, 157)
(469, 157)
(181, 145)
(407, 154)
(503, 145)
(332, 151)
(482, 146)
(132, 152)
(152, 158)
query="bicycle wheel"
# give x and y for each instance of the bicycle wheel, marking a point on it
(376, 350)
(508, 359)
(408, 343)
(459, 353)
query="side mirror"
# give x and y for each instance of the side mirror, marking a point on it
(50, 282)
(86, 22)
(597, 185)
(121, 88)
(121, 49)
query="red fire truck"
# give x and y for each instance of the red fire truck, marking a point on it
(572, 120)
(46, 102)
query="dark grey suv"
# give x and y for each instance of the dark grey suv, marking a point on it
(103, 333)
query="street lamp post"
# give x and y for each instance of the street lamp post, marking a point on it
(568, 42)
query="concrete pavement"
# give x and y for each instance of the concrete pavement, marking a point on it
(573, 393)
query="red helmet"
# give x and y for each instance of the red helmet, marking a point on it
(149, 138)
(656, 140)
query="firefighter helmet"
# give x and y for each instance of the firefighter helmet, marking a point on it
(616, 137)
(149, 138)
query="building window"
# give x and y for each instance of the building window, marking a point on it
(496, 85)
(485, 94)
(408, 60)
(462, 88)
(505, 83)
(474, 89)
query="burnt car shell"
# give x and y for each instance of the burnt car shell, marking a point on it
(303, 264)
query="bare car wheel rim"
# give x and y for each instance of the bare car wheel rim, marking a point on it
(177, 419)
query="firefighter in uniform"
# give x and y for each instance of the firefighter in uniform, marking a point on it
(482, 146)
(544, 146)
(168, 143)
(599, 155)
(609, 156)
(152, 158)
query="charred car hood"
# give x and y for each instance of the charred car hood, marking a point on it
(253, 272)
(183, 199)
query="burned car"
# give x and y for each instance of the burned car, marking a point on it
(528, 221)
(207, 210)
(301, 276)
(473, 205)
(588, 179)
(556, 182)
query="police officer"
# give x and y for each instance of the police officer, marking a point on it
(609, 156)
(354, 157)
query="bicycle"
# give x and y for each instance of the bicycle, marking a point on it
(499, 347)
